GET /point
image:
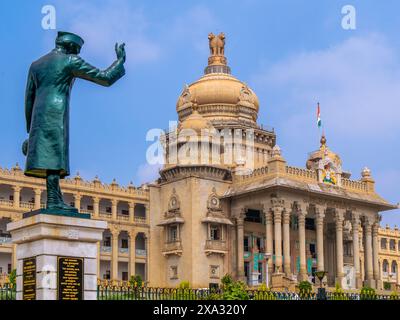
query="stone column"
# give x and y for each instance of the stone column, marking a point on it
(240, 239)
(269, 238)
(368, 252)
(96, 207)
(278, 238)
(339, 218)
(132, 252)
(114, 255)
(356, 247)
(98, 259)
(320, 215)
(302, 243)
(131, 212)
(286, 242)
(77, 201)
(277, 208)
(375, 255)
(38, 198)
(114, 204)
(17, 194)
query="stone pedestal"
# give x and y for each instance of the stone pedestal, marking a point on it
(370, 283)
(56, 256)
(254, 278)
(277, 280)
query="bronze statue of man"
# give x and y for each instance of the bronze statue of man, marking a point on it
(48, 90)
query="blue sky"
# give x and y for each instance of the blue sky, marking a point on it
(293, 53)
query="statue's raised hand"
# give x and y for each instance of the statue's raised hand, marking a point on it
(120, 51)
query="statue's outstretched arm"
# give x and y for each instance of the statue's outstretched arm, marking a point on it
(30, 94)
(81, 69)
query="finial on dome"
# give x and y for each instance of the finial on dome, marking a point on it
(16, 168)
(366, 172)
(276, 151)
(217, 61)
(323, 140)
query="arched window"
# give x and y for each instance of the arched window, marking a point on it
(394, 267)
(392, 244)
(385, 266)
(383, 243)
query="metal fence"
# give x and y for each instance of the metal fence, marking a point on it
(148, 293)
(7, 292)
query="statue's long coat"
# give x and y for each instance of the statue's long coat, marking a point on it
(47, 96)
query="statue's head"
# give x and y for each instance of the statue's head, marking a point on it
(69, 42)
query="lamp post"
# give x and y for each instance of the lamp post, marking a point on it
(321, 291)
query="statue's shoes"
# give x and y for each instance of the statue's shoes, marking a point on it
(61, 207)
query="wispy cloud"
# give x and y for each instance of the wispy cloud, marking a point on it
(356, 81)
(147, 173)
(107, 22)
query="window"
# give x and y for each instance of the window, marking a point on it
(260, 270)
(90, 207)
(385, 266)
(174, 272)
(394, 267)
(173, 233)
(125, 212)
(246, 269)
(253, 216)
(124, 243)
(215, 232)
(1, 270)
(310, 224)
(392, 244)
(258, 243)
(124, 276)
(9, 268)
(107, 241)
(107, 275)
(312, 250)
(246, 243)
(383, 243)
(108, 209)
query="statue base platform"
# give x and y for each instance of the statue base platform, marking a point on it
(57, 256)
(58, 212)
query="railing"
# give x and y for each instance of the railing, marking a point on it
(141, 252)
(123, 250)
(173, 245)
(123, 217)
(104, 214)
(219, 245)
(6, 203)
(302, 173)
(105, 249)
(353, 184)
(7, 292)
(26, 205)
(108, 291)
(140, 220)
(5, 240)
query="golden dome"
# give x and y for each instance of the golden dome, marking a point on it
(219, 88)
(195, 121)
(220, 96)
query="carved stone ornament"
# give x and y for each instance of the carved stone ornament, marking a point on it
(213, 202)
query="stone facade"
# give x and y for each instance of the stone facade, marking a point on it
(123, 251)
(253, 216)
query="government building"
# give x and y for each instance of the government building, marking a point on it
(226, 201)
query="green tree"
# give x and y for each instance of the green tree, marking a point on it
(12, 278)
(136, 281)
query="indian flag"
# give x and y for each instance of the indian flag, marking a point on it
(319, 122)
